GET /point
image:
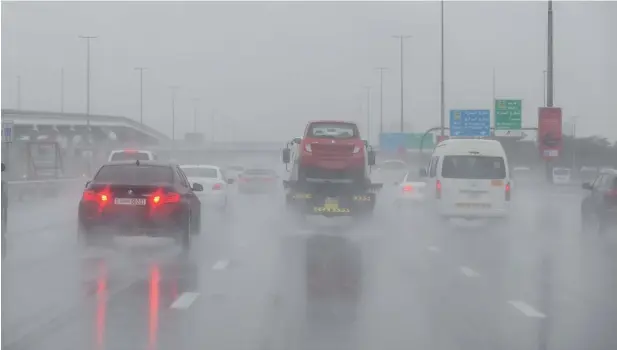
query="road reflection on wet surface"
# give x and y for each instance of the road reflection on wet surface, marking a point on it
(259, 280)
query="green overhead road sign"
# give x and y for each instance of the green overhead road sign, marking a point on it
(508, 114)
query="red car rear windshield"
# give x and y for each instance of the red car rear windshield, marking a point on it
(333, 130)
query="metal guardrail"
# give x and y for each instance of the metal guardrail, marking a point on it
(22, 189)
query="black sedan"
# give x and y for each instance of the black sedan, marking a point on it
(139, 198)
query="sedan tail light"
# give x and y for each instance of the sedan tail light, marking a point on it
(308, 148)
(102, 198)
(159, 198)
(217, 186)
(407, 188)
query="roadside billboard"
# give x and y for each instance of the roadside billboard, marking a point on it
(550, 138)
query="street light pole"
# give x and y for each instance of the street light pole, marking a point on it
(381, 70)
(62, 90)
(19, 92)
(368, 113)
(88, 38)
(443, 85)
(402, 40)
(141, 93)
(195, 102)
(173, 113)
(544, 86)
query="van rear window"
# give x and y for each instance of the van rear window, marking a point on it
(473, 167)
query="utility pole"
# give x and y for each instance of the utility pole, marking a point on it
(19, 92)
(443, 85)
(549, 63)
(544, 86)
(173, 113)
(195, 103)
(402, 40)
(368, 113)
(88, 38)
(62, 90)
(141, 93)
(381, 70)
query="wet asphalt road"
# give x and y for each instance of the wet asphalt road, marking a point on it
(257, 281)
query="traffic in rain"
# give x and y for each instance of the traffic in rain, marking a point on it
(309, 175)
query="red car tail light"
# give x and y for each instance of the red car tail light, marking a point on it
(217, 187)
(508, 191)
(438, 189)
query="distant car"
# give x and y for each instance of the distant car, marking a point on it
(411, 191)
(120, 155)
(258, 181)
(390, 170)
(134, 198)
(216, 191)
(599, 207)
(233, 171)
(562, 176)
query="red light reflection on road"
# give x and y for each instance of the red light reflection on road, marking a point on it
(153, 319)
(101, 304)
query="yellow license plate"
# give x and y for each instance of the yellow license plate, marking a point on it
(331, 203)
(331, 210)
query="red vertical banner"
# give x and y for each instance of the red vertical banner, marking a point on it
(550, 137)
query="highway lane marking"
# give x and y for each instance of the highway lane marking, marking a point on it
(433, 249)
(526, 309)
(221, 265)
(469, 272)
(184, 301)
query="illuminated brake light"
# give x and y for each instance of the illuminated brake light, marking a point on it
(407, 188)
(216, 187)
(170, 197)
(438, 189)
(508, 191)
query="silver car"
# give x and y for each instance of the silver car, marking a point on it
(258, 181)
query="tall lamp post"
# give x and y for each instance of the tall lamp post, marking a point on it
(88, 39)
(381, 70)
(402, 40)
(141, 93)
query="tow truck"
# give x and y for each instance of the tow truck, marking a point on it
(330, 171)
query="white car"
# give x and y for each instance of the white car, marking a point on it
(469, 178)
(561, 176)
(410, 191)
(119, 155)
(390, 170)
(216, 186)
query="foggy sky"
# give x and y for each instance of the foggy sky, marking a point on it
(262, 70)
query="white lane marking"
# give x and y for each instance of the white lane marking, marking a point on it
(221, 265)
(526, 309)
(184, 301)
(433, 249)
(469, 272)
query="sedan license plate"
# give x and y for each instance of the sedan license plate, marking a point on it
(130, 201)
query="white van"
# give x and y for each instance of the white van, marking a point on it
(470, 179)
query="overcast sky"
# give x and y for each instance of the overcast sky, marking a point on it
(264, 69)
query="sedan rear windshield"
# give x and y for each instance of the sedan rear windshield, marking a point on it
(333, 130)
(473, 167)
(134, 175)
(120, 156)
(201, 172)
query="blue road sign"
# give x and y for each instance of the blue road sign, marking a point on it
(470, 122)
(392, 141)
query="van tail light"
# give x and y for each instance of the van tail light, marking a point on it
(407, 188)
(508, 191)
(438, 189)
(217, 187)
